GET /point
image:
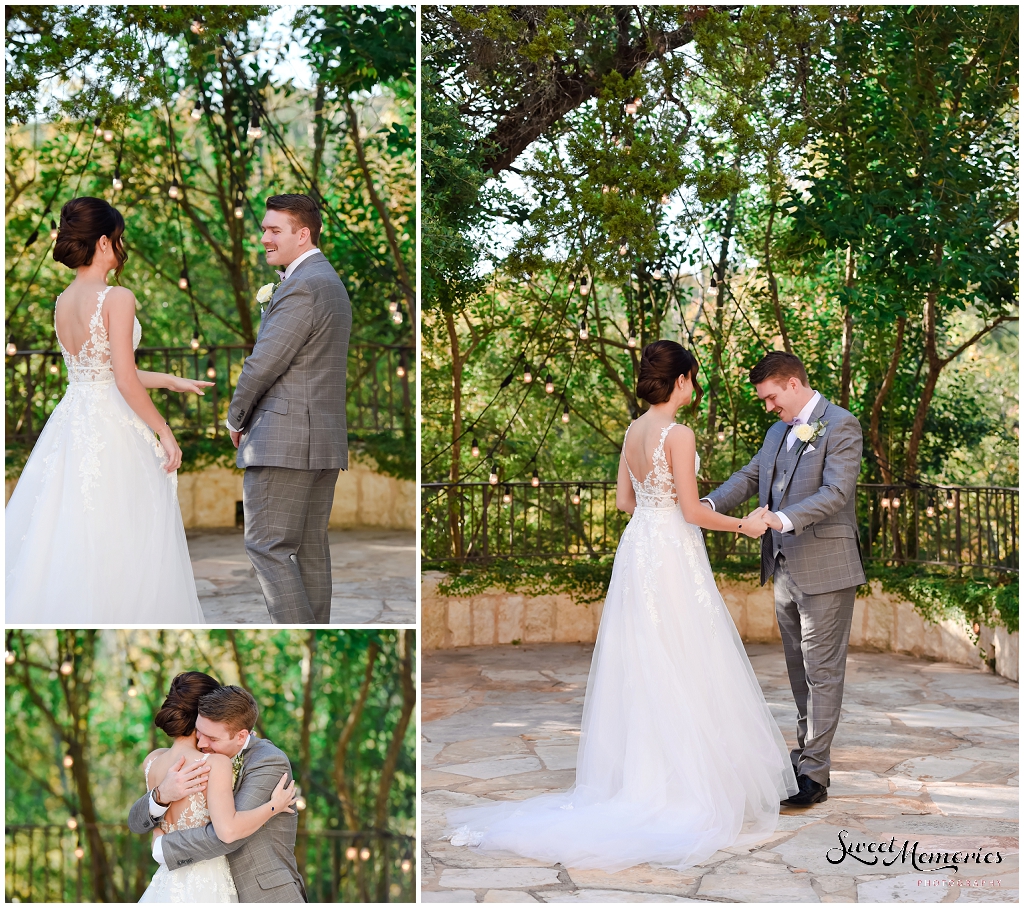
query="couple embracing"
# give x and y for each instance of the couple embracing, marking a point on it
(679, 755)
(219, 801)
(94, 532)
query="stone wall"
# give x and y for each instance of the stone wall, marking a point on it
(881, 622)
(362, 498)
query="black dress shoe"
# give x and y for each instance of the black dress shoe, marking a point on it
(810, 792)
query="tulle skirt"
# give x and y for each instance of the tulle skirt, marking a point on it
(93, 529)
(205, 881)
(679, 754)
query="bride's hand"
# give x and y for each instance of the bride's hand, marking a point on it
(753, 525)
(187, 385)
(284, 796)
(171, 448)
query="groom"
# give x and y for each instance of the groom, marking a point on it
(263, 865)
(287, 417)
(805, 476)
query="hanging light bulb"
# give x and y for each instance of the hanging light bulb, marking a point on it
(406, 865)
(10, 657)
(396, 316)
(885, 501)
(364, 855)
(197, 27)
(584, 285)
(255, 131)
(68, 761)
(98, 128)
(475, 449)
(577, 495)
(565, 414)
(631, 340)
(211, 369)
(950, 501)
(493, 478)
(79, 852)
(714, 283)
(118, 185)
(183, 280)
(549, 385)
(930, 510)
(393, 306)
(896, 502)
(108, 135)
(53, 229)
(623, 249)
(133, 691)
(631, 108)
(351, 853)
(66, 667)
(174, 191)
(400, 371)
(197, 111)
(72, 823)
(194, 343)
(721, 435)
(527, 374)
(506, 498)
(657, 274)
(12, 348)
(535, 479)
(54, 368)
(300, 803)
(239, 205)
(584, 333)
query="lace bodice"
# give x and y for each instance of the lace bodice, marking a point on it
(92, 362)
(194, 814)
(658, 489)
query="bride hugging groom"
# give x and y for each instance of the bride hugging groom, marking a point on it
(679, 755)
(219, 802)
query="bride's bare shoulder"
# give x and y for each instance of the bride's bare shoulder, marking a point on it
(154, 754)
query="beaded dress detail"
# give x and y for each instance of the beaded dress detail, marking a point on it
(93, 529)
(679, 755)
(204, 881)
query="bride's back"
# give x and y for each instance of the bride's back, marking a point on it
(190, 811)
(75, 309)
(643, 438)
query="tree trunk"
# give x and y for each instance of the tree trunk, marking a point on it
(846, 376)
(342, 783)
(308, 673)
(717, 326)
(773, 285)
(455, 472)
(874, 430)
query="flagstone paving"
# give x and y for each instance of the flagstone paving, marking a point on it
(926, 752)
(374, 577)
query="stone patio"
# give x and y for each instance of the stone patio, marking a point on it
(926, 752)
(374, 574)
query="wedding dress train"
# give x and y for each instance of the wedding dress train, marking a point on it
(679, 754)
(94, 532)
(204, 881)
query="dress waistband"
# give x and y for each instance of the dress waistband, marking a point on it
(91, 382)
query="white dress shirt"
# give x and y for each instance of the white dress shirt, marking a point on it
(284, 275)
(155, 810)
(804, 416)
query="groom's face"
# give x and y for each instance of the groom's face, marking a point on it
(217, 738)
(283, 239)
(784, 399)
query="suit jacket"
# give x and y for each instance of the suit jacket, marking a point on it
(289, 403)
(819, 495)
(263, 865)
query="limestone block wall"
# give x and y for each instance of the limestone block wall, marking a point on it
(881, 622)
(362, 498)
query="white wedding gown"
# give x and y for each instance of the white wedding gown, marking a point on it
(679, 755)
(94, 531)
(205, 881)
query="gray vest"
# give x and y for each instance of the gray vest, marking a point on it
(785, 463)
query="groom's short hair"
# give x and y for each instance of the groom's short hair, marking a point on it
(779, 366)
(304, 211)
(233, 706)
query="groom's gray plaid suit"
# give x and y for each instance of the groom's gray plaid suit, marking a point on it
(263, 865)
(817, 567)
(289, 404)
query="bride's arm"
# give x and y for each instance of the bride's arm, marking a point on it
(230, 824)
(681, 447)
(625, 497)
(172, 382)
(120, 310)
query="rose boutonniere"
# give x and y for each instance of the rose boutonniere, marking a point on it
(265, 294)
(236, 768)
(808, 432)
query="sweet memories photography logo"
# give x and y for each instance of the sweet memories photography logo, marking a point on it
(886, 853)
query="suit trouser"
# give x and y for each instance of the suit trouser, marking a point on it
(815, 636)
(286, 514)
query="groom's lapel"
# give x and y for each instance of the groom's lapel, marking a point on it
(768, 467)
(817, 413)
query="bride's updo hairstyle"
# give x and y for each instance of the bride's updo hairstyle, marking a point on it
(661, 363)
(82, 222)
(177, 716)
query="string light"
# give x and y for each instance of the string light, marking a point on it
(475, 449)
(364, 855)
(657, 274)
(584, 286)
(300, 803)
(108, 135)
(72, 823)
(68, 761)
(53, 229)
(535, 479)
(950, 501)
(549, 385)
(211, 370)
(79, 852)
(721, 435)
(493, 478)
(255, 131)
(351, 853)
(396, 315)
(406, 865)
(239, 205)
(896, 502)
(197, 27)
(54, 368)
(118, 185)
(99, 129)
(623, 249)
(12, 348)
(577, 495)
(565, 414)
(506, 498)
(631, 341)
(527, 375)
(584, 333)
(197, 111)
(400, 371)
(194, 343)
(66, 668)
(631, 109)
(885, 501)
(183, 283)
(174, 191)
(10, 657)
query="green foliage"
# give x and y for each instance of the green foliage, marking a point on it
(393, 453)
(586, 580)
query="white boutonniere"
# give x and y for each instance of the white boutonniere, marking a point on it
(808, 432)
(265, 294)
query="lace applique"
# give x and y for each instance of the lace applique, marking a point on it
(466, 836)
(700, 571)
(193, 815)
(658, 489)
(92, 362)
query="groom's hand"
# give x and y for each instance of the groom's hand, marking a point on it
(768, 516)
(235, 436)
(181, 782)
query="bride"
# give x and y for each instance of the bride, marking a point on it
(94, 532)
(204, 881)
(679, 755)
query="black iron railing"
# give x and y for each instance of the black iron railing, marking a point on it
(378, 387)
(959, 527)
(55, 864)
